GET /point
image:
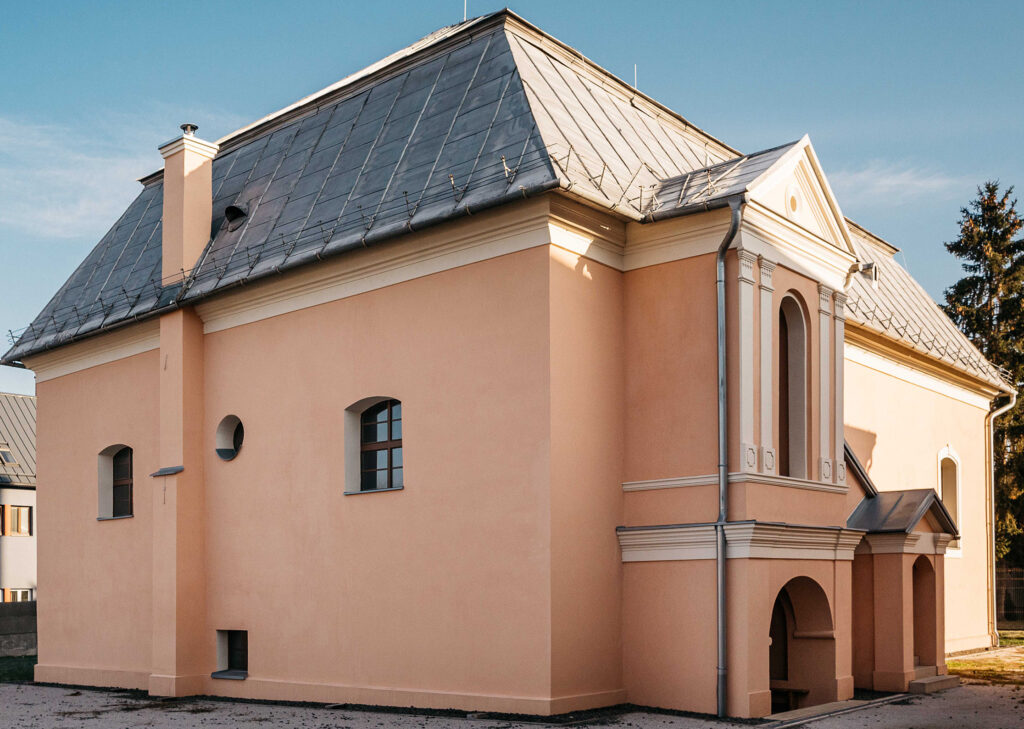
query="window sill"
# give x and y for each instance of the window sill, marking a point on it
(15, 535)
(374, 491)
(232, 674)
(112, 518)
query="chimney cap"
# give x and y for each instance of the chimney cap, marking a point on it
(189, 129)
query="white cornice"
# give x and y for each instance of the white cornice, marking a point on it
(190, 143)
(913, 376)
(101, 349)
(507, 230)
(753, 540)
(903, 543)
(744, 540)
(735, 477)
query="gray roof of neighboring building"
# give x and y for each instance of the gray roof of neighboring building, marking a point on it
(18, 431)
(900, 511)
(899, 308)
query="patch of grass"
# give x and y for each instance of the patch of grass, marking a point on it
(18, 668)
(1011, 637)
(1001, 667)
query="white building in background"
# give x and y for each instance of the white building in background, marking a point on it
(17, 498)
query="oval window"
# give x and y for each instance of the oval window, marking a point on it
(230, 434)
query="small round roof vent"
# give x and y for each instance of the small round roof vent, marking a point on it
(235, 216)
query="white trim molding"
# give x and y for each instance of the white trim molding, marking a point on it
(859, 355)
(748, 450)
(744, 540)
(839, 439)
(947, 452)
(825, 425)
(711, 479)
(904, 543)
(101, 349)
(767, 269)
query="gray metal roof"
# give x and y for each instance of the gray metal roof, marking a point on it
(18, 432)
(897, 307)
(900, 511)
(471, 117)
(704, 186)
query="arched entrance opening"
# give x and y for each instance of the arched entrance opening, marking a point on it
(802, 649)
(924, 612)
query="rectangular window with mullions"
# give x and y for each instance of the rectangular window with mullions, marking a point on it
(16, 521)
(381, 447)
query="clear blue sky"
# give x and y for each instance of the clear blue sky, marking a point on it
(910, 105)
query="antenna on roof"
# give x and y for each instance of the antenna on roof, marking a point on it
(464, 10)
(634, 77)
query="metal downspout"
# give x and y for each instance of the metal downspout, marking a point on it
(990, 434)
(723, 450)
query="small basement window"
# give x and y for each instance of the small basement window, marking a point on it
(230, 434)
(232, 654)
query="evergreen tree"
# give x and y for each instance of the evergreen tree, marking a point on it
(988, 306)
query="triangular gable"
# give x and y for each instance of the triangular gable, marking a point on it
(796, 189)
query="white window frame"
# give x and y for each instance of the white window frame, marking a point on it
(947, 451)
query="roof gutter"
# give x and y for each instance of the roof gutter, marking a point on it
(736, 204)
(991, 475)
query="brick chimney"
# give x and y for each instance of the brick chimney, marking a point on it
(188, 203)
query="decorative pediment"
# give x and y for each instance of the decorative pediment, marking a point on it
(795, 190)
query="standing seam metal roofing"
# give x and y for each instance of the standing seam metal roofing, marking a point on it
(471, 116)
(477, 115)
(18, 431)
(898, 308)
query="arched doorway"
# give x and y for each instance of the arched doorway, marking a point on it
(802, 650)
(924, 612)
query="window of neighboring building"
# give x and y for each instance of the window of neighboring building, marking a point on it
(115, 482)
(949, 486)
(7, 456)
(792, 423)
(16, 595)
(16, 521)
(232, 654)
(381, 447)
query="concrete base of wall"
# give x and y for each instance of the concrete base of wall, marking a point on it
(275, 690)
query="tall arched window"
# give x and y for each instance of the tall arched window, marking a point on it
(792, 457)
(115, 482)
(381, 446)
(949, 486)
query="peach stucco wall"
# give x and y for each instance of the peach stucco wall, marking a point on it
(95, 577)
(587, 436)
(897, 429)
(442, 587)
(669, 637)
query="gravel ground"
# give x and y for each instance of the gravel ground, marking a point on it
(24, 706)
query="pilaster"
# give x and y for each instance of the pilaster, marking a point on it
(839, 358)
(181, 647)
(767, 269)
(825, 392)
(748, 449)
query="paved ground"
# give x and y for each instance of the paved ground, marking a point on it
(24, 706)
